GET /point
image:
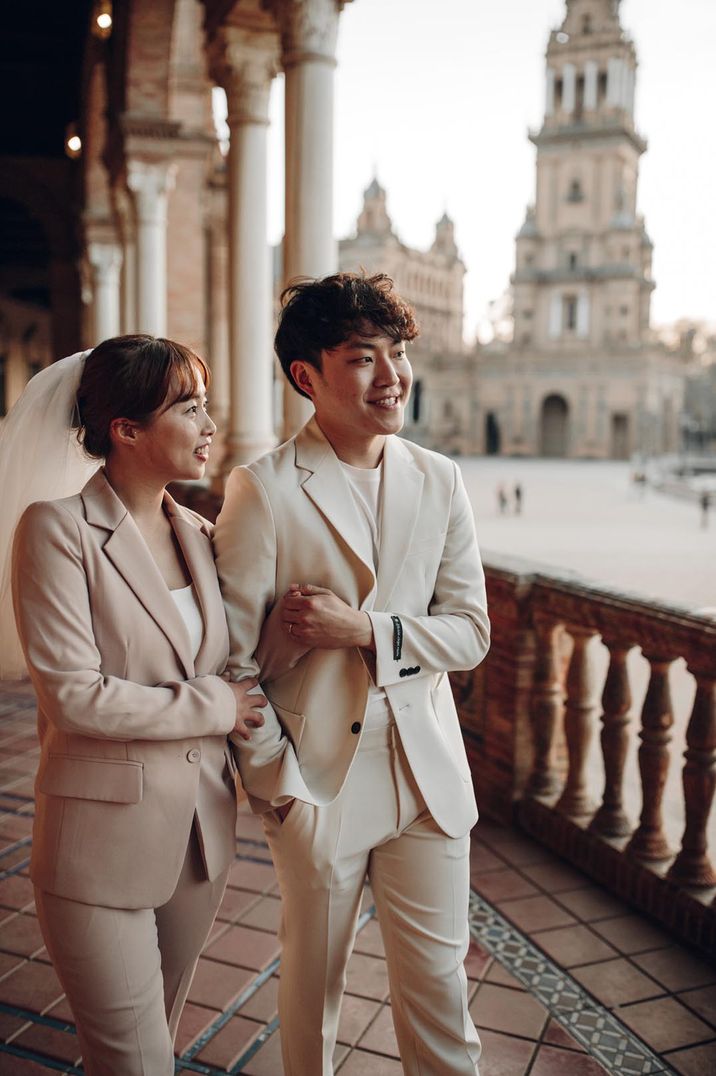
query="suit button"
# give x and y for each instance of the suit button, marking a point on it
(194, 755)
(404, 672)
(355, 728)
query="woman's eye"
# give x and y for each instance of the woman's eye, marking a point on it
(192, 410)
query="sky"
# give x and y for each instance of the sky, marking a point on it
(436, 99)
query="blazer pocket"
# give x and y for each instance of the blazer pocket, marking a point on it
(106, 780)
(291, 723)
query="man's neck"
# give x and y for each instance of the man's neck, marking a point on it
(358, 452)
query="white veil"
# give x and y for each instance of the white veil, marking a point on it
(40, 460)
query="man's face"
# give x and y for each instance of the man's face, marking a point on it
(362, 388)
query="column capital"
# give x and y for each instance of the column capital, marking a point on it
(105, 258)
(150, 182)
(308, 28)
(244, 63)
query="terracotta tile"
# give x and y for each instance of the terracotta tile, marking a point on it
(591, 903)
(194, 1021)
(515, 848)
(258, 877)
(665, 1024)
(370, 940)
(235, 902)
(8, 961)
(20, 1066)
(367, 977)
(61, 1045)
(504, 1055)
(677, 968)
(265, 914)
(263, 1004)
(556, 1035)
(696, 1061)
(61, 1010)
(32, 986)
(616, 982)
(16, 892)
(15, 826)
(361, 1063)
(483, 859)
(215, 985)
(356, 1015)
(477, 961)
(245, 947)
(504, 885)
(380, 1036)
(229, 1044)
(497, 1008)
(701, 1001)
(571, 946)
(532, 914)
(556, 877)
(267, 1061)
(551, 1061)
(632, 934)
(502, 977)
(10, 1025)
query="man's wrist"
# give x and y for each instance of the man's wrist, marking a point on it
(365, 639)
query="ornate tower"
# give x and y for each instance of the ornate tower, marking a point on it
(583, 260)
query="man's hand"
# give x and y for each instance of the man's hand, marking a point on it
(318, 618)
(247, 716)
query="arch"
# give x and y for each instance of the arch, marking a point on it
(492, 435)
(416, 403)
(554, 427)
(619, 448)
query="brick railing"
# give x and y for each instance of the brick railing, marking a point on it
(531, 715)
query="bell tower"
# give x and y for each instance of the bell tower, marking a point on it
(582, 276)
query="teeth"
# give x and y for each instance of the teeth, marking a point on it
(389, 401)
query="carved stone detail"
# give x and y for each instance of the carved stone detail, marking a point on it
(547, 707)
(244, 63)
(692, 866)
(578, 724)
(657, 717)
(611, 819)
(308, 28)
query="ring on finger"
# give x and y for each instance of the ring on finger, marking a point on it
(290, 628)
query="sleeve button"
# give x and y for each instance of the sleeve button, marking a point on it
(355, 728)
(194, 755)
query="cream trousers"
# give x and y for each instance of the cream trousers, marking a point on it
(378, 826)
(127, 973)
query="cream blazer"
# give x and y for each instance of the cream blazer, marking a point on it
(290, 517)
(132, 730)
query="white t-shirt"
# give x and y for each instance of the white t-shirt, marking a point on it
(366, 486)
(187, 603)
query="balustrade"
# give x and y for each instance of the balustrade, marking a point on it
(611, 819)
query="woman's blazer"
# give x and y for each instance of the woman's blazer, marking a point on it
(132, 730)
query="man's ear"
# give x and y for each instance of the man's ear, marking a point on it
(123, 431)
(301, 373)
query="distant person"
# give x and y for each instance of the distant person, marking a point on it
(502, 498)
(517, 494)
(705, 502)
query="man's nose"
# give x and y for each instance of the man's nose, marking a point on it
(385, 371)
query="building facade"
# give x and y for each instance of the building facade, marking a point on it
(583, 376)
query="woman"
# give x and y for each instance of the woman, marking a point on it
(121, 622)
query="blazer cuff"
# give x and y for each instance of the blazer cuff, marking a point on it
(394, 663)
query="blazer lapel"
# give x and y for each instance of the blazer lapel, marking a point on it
(402, 490)
(128, 552)
(328, 488)
(198, 553)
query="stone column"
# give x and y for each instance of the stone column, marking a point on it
(150, 182)
(125, 218)
(105, 259)
(244, 62)
(309, 29)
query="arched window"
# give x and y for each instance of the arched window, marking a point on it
(587, 24)
(575, 192)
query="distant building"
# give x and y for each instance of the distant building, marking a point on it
(583, 376)
(441, 410)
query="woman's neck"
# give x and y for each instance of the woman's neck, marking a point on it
(141, 494)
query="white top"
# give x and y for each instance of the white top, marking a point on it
(366, 486)
(186, 602)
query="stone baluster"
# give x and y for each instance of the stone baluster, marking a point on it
(692, 866)
(657, 718)
(611, 819)
(575, 800)
(546, 708)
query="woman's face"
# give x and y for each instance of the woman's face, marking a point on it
(174, 445)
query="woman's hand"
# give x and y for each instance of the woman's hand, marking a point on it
(316, 617)
(247, 716)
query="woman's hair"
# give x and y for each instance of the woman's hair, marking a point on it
(131, 377)
(318, 315)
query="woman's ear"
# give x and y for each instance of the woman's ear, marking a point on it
(123, 431)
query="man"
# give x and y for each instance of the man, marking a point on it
(352, 579)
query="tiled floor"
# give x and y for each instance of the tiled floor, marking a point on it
(565, 980)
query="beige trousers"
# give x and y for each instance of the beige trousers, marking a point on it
(420, 880)
(127, 973)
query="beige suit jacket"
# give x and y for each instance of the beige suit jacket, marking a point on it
(132, 730)
(290, 517)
